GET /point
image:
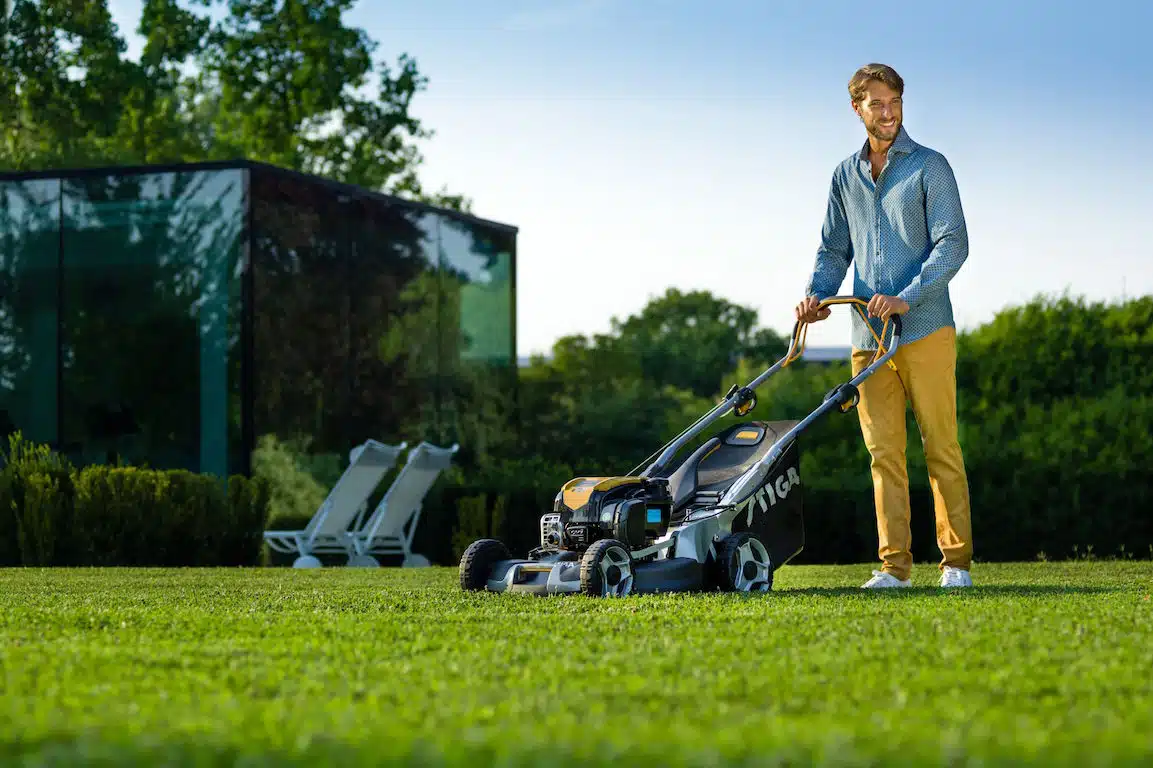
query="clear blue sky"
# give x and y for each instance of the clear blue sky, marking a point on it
(642, 144)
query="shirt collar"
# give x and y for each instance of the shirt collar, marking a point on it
(902, 145)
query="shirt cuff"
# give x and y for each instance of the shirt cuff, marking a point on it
(910, 296)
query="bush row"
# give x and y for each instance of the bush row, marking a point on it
(1047, 479)
(52, 514)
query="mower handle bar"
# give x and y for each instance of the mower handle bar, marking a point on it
(739, 395)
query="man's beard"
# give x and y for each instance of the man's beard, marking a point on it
(884, 134)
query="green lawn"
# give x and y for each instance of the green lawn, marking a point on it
(1044, 663)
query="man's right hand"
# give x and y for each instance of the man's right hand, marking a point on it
(807, 311)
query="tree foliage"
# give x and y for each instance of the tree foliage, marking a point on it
(1053, 348)
(690, 340)
(286, 82)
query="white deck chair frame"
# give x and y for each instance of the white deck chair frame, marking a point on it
(327, 531)
(384, 531)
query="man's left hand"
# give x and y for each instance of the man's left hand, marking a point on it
(885, 307)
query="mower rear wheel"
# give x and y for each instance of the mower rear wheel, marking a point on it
(477, 561)
(743, 564)
(607, 569)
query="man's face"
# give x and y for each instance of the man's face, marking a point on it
(880, 110)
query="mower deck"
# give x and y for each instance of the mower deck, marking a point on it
(562, 576)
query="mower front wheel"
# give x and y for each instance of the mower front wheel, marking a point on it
(743, 564)
(477, 561)
(607, 569)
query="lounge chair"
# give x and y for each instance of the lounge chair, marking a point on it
(327, 531)
(384, 532)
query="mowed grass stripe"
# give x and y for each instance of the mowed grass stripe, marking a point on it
(1050, 663)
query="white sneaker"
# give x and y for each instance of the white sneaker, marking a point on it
(955, 577)
(882, 580)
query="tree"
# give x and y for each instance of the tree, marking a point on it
(691, 340)
(61, 76)
(280, 81)
(609, 400)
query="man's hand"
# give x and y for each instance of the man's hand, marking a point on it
(807, 312)
(885, 307)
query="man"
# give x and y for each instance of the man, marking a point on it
(894, 210)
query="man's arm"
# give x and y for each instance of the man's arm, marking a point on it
(836, 249)
(947, 232)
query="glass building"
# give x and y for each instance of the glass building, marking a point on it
(173, 316)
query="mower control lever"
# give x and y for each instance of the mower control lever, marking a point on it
(846, 395)
(746, 400)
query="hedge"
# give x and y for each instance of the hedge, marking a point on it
(53, 514)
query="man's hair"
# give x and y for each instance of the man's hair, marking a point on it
(883, 72)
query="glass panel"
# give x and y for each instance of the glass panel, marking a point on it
(29, 260)
(477, 264)
(151, 319)
(478, 355)
(356, 336)
(393, 322)
(300, 305)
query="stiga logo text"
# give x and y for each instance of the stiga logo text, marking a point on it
(769, 493)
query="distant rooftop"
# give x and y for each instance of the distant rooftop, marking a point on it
(827, 354)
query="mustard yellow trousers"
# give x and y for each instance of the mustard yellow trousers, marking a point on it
(926, 379)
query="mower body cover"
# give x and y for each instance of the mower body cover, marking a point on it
(775, 511)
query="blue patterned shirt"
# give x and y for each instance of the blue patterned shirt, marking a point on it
(905, 235)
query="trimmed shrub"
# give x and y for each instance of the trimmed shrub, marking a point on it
(42, 519)
(9, 535)
(248, 510)
(130, 516)
(54, 515)
(118, 516)
(36, 488)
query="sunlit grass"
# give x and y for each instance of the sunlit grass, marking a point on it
(1049, 663)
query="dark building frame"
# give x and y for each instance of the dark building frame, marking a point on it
(249, 381)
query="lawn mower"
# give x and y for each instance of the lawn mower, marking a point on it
(725, 518)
